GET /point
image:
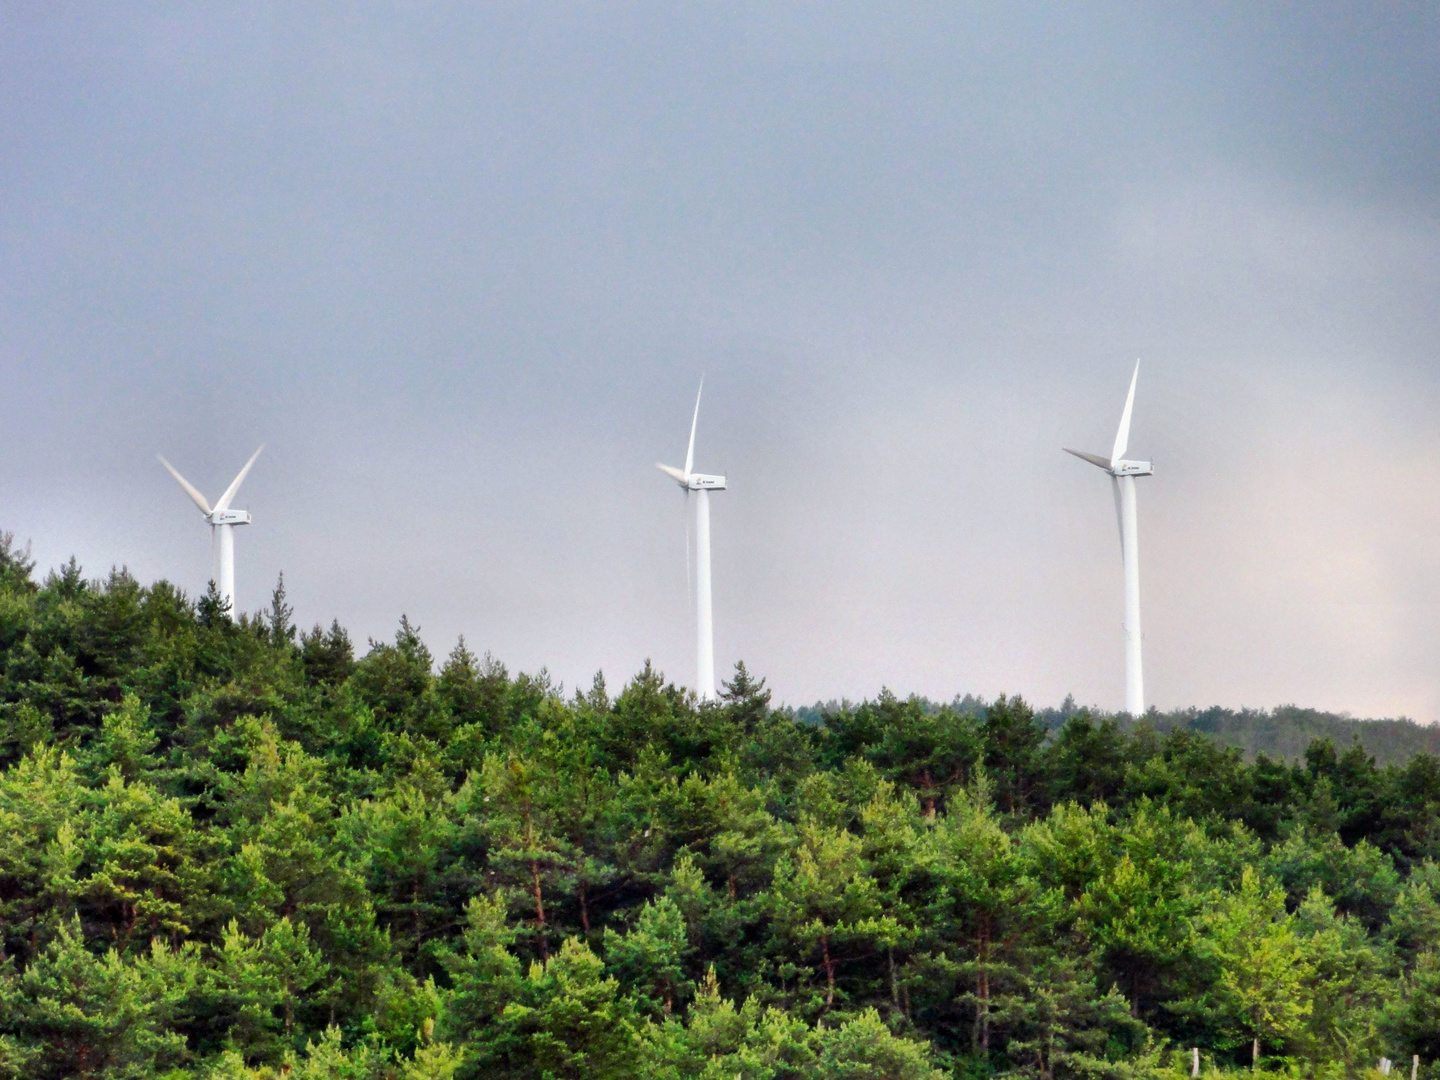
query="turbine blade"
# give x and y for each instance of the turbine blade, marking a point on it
(670, 470)
(690, 450)
(189, 490)
(1119, 516)
(224, 503)
(1094, 459)
(1122, 436)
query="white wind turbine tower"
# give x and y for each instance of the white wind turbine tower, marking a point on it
(222, 521)
(1122, 476)
(702, 484)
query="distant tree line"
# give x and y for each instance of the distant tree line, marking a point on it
(1288, 731)
(232, 849)
(1285, 732)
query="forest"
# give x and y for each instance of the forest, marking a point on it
(235, 849)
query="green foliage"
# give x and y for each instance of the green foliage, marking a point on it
(74, 1014)
(1413, 1018)
(1350, 983)
(718, 1041)
(651, 957)
(1060, 1025)
(228, 850)
(1263, 993)
(261, 982)
(824, 908)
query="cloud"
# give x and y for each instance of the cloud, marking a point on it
(461, 267)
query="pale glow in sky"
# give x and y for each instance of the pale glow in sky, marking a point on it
(461, 267)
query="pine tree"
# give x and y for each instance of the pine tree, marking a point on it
(976, 911)
(1263, 990)
(1349, 984)
(825, 907)
(572, 1022)
(1058, 1026)
(76, 1015)
(1412, 1019)
(523, 828)
(126, 742)
(277, 619)
(747, 702)
(651, 957)
(1139, 910)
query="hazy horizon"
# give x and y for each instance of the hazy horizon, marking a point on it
(460, 267)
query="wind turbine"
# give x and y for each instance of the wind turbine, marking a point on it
(1122, 477)
(222, 520)
(702, 484)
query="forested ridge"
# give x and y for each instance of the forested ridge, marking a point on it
(230, 849)
(1287, 731)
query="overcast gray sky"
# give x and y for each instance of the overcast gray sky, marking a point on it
(461, 266)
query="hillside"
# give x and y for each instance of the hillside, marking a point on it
(231, 849)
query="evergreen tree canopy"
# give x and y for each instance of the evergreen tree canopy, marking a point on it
(231, 849)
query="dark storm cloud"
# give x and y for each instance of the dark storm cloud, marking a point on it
(461, 267)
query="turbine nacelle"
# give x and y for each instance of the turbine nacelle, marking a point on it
(1116, 468)
(228, 517)
(1132, 468)
(693, 481)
